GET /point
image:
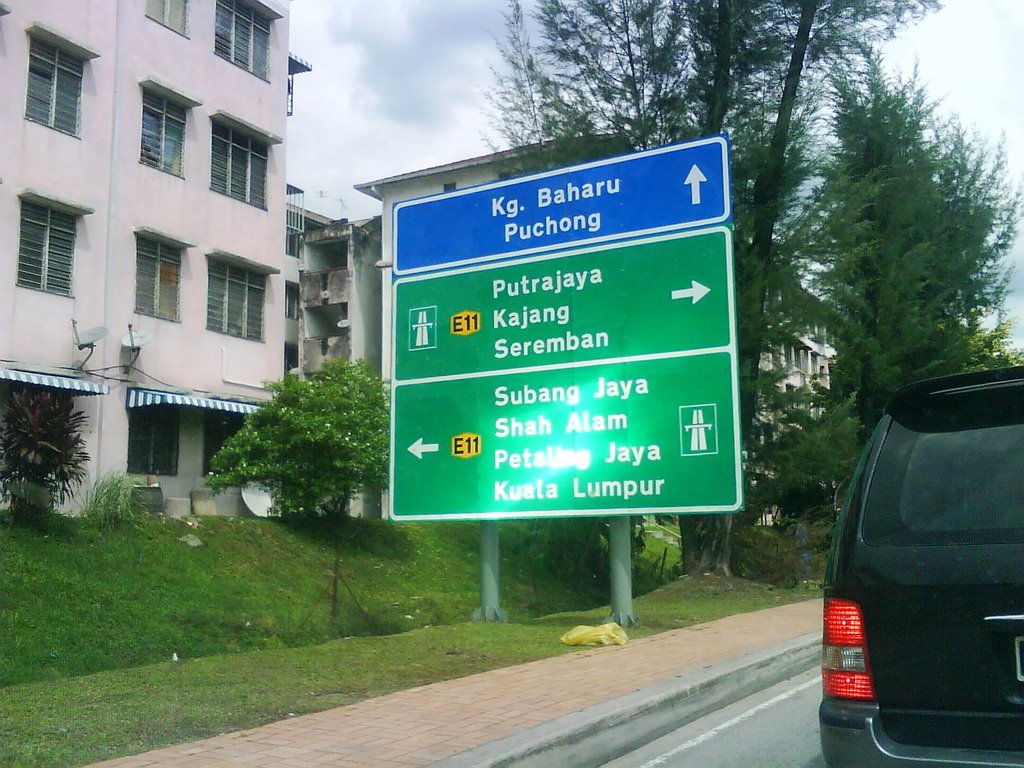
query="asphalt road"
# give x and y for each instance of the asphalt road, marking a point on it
(776, 728)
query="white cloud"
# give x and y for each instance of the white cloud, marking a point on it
(398, 85)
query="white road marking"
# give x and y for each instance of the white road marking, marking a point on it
(708, 735)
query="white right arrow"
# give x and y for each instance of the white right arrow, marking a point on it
(694, 179)
(696, 292)
(418, 448)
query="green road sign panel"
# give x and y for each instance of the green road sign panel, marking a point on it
(627, 436)
(654, 296)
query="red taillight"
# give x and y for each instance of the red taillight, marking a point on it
(845, 673)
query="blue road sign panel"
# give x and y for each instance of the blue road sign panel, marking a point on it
(670, 188)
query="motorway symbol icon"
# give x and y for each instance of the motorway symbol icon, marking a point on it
(422, 328)
(698, 430)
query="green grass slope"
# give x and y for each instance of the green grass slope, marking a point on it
(80, 600)
(89, 621)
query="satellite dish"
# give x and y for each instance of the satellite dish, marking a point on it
(136, 339)
(257, 500)
(89, 337)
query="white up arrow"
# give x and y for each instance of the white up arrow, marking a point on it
(694, 179)
(418, 448)
(696, 292)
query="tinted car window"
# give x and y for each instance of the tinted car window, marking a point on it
(951, 471)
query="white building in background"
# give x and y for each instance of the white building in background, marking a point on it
(143, 220)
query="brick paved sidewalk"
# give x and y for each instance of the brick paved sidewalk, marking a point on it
(422, 725)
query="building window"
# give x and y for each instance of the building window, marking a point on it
(291, 357)
(163, 133)
(239, 166)
(157, 277)
(54, 87)
(242, 37)
(153, 440)
(293, 244)
(291, 301)
(46, 250)
(170, 13)
(218, 426)
(234, 303)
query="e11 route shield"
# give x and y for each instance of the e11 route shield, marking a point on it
(659, 190)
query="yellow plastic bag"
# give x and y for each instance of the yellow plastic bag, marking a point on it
(605, 634)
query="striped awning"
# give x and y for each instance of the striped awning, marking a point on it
(139, 398)
(56, 382)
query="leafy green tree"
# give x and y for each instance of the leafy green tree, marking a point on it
(811, 453)
(993, 348)
(914, 219)
(614, 75)
(42, 453)
(315, 445)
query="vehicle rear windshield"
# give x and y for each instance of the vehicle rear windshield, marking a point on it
(950, 471)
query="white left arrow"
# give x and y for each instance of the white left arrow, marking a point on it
(418, 448)
(694, 179)
(696, 292)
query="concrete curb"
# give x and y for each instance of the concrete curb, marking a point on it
(604, 732)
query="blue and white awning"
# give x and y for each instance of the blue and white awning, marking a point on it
(81, 386)
(139, 398)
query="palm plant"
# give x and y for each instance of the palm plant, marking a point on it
(42, 453)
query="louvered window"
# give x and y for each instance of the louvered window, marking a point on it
(46, 250)
(234, 302)
(239, 166)
(163, 133)
(153, 440)
(242, 36)
(157, 277)
(54, 87)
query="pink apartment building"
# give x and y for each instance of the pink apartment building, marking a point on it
(143, 219)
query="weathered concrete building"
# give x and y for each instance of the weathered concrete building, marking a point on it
(142, 203)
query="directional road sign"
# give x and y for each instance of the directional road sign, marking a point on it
(660, 190)
(656, 295)
(565, 344)
(658, 434)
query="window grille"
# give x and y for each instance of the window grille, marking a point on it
(153, 440)
(54, 87)
(234, 303)
(46, 250)
(239, 166)
(163, 134)
(157, 278)
(242, 36)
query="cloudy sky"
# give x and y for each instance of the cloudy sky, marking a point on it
(398, 85)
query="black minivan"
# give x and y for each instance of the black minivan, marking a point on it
(923, 646)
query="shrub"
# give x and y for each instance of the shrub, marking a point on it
(42, 453)
(113, 502)
(315, 445)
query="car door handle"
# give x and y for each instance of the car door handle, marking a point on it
(1012, 617)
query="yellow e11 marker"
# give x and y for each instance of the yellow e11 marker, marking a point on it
(465, 322)
(466, 445)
